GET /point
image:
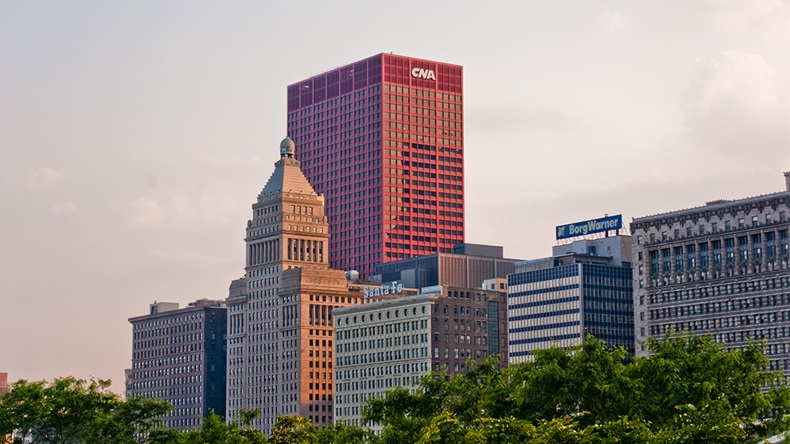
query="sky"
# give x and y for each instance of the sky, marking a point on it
(134, 136)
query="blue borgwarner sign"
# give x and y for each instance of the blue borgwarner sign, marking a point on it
(590, 226)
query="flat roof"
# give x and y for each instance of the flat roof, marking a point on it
(712, 206)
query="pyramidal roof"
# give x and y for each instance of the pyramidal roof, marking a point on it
(287, 176)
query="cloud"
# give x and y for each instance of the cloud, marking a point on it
(43, 177)
(770, 19)
(739, 105)
(144, 213)
(614, 23)
(64, 207)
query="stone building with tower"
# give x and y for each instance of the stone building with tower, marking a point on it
(280, 335)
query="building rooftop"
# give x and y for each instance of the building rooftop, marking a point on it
(287, 176)
(346, 65)
(713, 206)
(716, 204)
(385, 303)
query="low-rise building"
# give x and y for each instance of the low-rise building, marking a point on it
(394, 341)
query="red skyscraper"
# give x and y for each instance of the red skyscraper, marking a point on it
(382, 139)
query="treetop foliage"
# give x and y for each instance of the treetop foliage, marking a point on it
(71, 410)
(689, 390)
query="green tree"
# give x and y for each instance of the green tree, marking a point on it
(404, 414)
(690, 389)
(71, 410)
(559, 382)
(293, 430)
(340, 433)
(214, 430)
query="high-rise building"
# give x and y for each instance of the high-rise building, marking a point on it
(720, 269)
(178, 355)
(280, 335)
(382, 139)
(394, 341)
(584, 288)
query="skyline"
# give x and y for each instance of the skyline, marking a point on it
(135, 136)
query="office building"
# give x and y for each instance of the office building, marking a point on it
(719, 269)
(178, 355)
(280, 335)
(382, 139)
(584, 288)
(395, 340)
(467, 265)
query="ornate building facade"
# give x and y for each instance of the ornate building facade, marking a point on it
(721, 269)
(280, 335)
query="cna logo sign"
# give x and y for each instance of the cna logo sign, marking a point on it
(423, 73)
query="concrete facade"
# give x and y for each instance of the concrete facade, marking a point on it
(393, 342)
(720, 269)
(380, 345)
(178, 355)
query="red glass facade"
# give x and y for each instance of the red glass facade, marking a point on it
(382, 139)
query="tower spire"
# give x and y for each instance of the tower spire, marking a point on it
(287, 148)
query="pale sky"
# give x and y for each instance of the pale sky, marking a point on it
(134, 136)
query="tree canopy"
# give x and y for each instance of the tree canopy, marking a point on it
(71, 410)
(688, 390)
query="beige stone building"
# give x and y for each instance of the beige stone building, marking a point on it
(280, 335)
(394, 340)
(721, 269)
